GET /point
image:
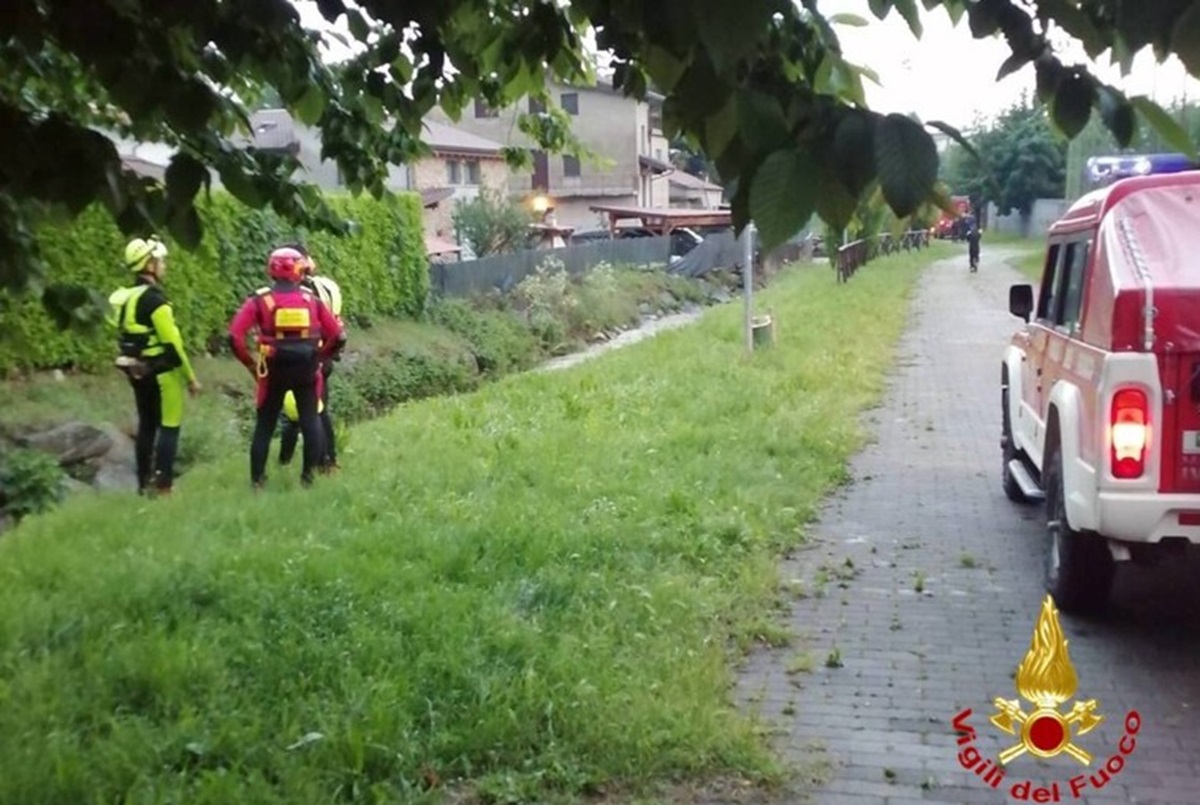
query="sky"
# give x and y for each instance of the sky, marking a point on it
(946, 75)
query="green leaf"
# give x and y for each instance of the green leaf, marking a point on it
(730, 30)
(721, 128)
(1165, 125)
(1049, 72)
(1068, 16)
(783, 195)
(880, 8)
(185, 227)
(761, 123)
(848, 19)
(1185, 38)
(311, 105)
(1118, 116)
(983, 17)
(845, 80)
(664, 67)
(1012, 64)
(957, 136)
(835, 204)
(908, 10)
(358, 25)
(184, 177)
(1072, 106)
(331, 9)
(907, 162)
(1122, 55)
(854, 151)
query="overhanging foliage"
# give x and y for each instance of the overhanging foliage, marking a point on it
(759, 86)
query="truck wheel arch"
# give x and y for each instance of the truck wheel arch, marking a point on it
(1062, 432)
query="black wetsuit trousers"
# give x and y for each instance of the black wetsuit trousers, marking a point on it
(302, 382)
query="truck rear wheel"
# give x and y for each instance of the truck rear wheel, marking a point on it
(1079, 567)
(1008, 451)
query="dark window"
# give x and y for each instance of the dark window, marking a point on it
(536, 107)
(570, 165)
(570, 103)
(453, 172)
(483, 110)
(1048, 297)
(472, 171)
(1074, 267)
(656, 121)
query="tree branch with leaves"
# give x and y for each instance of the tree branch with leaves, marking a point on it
(760, 87)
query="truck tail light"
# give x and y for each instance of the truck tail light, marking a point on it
(1129, 433)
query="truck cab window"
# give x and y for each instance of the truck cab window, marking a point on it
(1073, 271)
(1048, 297)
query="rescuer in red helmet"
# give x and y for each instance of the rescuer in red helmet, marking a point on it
(295, 333)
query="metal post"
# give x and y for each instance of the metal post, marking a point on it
(747, 282)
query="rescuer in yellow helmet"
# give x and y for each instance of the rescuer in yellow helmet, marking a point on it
(153, 357)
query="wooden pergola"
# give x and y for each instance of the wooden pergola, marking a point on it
(662, 220)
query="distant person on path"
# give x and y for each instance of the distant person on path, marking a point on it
(295, 333)
(973, 235)
(153, 357)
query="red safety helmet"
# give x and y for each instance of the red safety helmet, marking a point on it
(286, 264)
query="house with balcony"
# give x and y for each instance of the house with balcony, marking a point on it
(626, 132)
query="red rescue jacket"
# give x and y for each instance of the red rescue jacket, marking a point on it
(294, 329)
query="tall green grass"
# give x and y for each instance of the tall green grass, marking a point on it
(531, 591)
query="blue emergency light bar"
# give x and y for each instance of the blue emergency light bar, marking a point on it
(1105, 170)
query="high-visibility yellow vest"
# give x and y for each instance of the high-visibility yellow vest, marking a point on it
(134, 339)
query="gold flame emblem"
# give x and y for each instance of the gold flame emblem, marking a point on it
(1046, 679)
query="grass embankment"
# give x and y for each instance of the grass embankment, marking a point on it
(459, 346)
(534, 587)
(1029, 262)
(1032, 263)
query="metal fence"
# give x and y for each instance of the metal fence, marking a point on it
(504, 271)
(857, 253)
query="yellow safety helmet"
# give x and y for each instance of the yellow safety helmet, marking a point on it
(291, 412)
(139, 251)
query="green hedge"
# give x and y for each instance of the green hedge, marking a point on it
(381, 268)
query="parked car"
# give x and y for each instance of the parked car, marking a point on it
(1100, 388)
(683, 240)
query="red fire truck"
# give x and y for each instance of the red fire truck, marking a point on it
(944, 228)
(1100, 389)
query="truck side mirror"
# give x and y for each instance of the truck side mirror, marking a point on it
(1020, 301)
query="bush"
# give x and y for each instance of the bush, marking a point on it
(30, 482)
(492, 223)
(381, 268)
(499, 339)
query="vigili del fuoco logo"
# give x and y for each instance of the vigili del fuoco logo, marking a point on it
(1046, 680)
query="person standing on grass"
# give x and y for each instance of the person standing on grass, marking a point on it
(153, 357)
(328, 292)
(295, 333)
